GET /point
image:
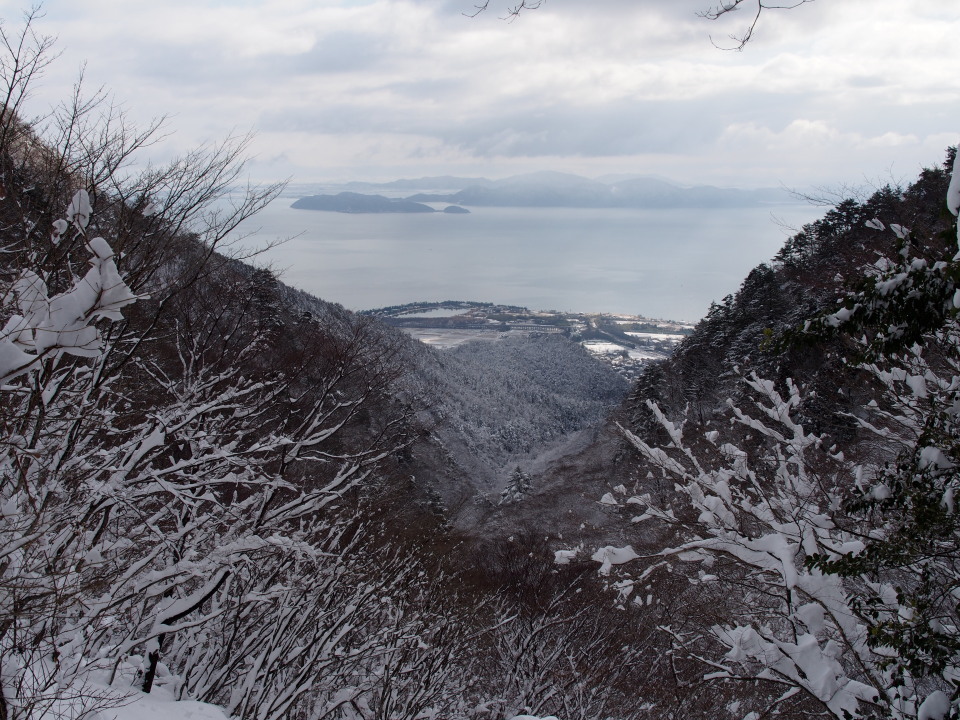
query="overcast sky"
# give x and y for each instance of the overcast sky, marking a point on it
(835, 91)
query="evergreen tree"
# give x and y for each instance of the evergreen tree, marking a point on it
(906, 320)
(518, 486)
(839, 558)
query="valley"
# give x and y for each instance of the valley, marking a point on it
(229, 492)
(274, 504)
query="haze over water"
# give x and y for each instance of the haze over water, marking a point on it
(666, 264)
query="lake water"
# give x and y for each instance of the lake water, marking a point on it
(667, 264)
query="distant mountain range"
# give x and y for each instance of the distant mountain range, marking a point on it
(351, 202)
(542, 189)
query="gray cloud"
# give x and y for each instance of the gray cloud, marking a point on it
(866, 81)
(541, 129)
(339, 52)
(830, 90)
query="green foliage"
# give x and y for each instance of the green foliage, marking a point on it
(901, 322)
(898, 305)
(918, 545)
(847, 511)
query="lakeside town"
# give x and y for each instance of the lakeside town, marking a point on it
(623, 341)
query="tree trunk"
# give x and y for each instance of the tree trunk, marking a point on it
(153, 657)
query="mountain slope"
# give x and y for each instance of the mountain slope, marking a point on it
(548, 189)
(494, 405)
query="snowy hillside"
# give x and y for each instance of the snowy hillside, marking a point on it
(496, 405)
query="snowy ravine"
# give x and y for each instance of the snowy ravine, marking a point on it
(496, 406)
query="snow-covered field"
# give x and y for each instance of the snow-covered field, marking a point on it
(438, 313)
(599, 347)
(444, 339)
(663, 337)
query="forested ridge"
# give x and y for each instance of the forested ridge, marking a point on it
(800, 447)
(215, 487)
(755, 327)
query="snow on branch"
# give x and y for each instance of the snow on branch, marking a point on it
(760, 509)
(42, 326)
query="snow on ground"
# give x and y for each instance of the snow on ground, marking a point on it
(667, 337)
(160, 705)
(663, 324)
(99, 699)
(644, 355)
(445, 339)
(438, 313)
(135, 705)
(157, 706)
(599, 347)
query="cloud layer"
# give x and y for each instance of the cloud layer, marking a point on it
(831, 92)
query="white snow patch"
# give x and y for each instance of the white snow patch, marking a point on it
(158, 705)
(78, 212)
(445, 339)
(935, 707)
(663, 337)
(918, 386)
(953, 191)
(948, 499)
(600, 347)
(934, 457)
(609, 556)
(608, 499)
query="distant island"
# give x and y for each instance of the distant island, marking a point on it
(351, 202)
(542, 189)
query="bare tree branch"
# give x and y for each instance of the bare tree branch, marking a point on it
(729, 6)
(714, 12)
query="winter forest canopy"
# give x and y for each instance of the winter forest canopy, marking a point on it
(216, 488)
